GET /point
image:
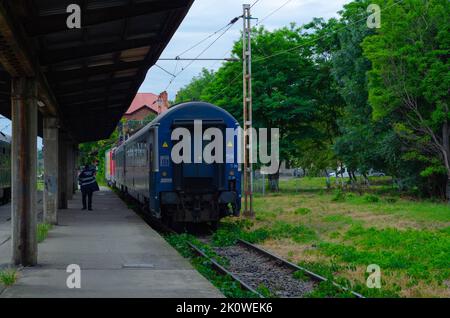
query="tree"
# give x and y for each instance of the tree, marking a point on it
(290, 90)
(358, 142)
(95, 151)
(194, 89)
(410, 78)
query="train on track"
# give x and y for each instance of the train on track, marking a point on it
(179, 193)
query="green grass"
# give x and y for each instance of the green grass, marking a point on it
(423, 254)
(8, 277)
(42, 231)
(40, 185)
(302, 211)
(416, 210)
(263, 290)
(338, 218)
(230, 232)
(319, 183)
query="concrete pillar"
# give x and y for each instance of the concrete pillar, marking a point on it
(69, 173)
(24, 162)
(62, 171)
(75, 168)
(51, 137)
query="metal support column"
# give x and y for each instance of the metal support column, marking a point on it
(24, 166)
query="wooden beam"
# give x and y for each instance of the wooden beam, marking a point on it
(57, 22)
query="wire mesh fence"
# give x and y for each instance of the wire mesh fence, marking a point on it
(263, 184)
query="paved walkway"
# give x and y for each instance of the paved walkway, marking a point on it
(118, 253)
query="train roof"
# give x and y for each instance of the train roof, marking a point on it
(195, 109)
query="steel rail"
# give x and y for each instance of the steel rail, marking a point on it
(223, 270)
(293, 266)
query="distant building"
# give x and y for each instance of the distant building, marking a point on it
(145, 104)
(143, 108)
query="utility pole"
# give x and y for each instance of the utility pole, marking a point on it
(247, 112)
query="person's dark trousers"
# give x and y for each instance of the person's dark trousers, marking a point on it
(87, 194)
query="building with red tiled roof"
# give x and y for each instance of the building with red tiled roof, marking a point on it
(145, 104)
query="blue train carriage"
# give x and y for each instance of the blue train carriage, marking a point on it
(184, 192)
(5, 167)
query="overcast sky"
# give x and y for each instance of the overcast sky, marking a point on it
(207, 16)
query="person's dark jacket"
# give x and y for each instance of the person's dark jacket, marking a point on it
(87, 181)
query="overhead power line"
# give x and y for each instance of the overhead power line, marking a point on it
(232, 59)
(229, 26)
(162, 68)
(232, 21)
(254, 3)
(273, 12)
(297, 47)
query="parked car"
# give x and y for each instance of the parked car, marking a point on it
(298, 172)
(344, 174)
(373, 173)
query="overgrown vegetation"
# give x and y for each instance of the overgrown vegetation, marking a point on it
(42, 231)
(338, 239)
(8, 277)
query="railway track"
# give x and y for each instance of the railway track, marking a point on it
(255, 268)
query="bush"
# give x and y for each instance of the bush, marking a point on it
(371, 198)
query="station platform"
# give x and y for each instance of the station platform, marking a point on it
(118, 253)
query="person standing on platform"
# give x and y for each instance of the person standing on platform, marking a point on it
(88, 185)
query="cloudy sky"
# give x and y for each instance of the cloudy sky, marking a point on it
(207, 16)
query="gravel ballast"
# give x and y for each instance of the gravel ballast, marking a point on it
(256, 270)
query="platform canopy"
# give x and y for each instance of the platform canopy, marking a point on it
(87, 77)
